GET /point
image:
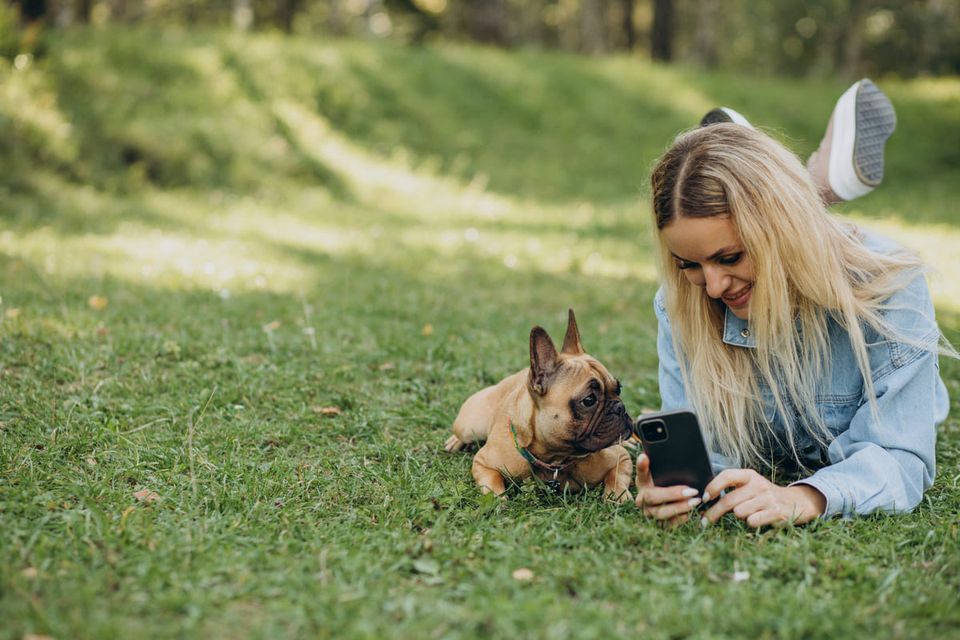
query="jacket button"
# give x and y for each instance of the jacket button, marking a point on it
(745, 333)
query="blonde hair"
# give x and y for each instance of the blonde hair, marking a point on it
(809, 268)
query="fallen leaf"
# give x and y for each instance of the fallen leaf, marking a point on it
(145, 495)
(13, 313)
(97, 303)
(328, 411)
(426, 566)
(523, 574)
(428, 329)
(102, 331)
(36, 636)
(387, 366)
(272, 326)
(29, 573)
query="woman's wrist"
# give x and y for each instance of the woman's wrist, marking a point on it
(810, 502)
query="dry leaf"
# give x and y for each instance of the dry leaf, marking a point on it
(13, 313)
(428, 329)
(272, 326)
(36, 636)
(29, 573)
(97, 303)
(387, 366)
(145, 495)
(523, 574)
(328, 411)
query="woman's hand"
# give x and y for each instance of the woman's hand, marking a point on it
(759, 502)
(670, 505)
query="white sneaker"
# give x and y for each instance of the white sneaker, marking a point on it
(724, 114)
(850, 159)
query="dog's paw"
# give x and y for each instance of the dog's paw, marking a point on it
(620, 498)
(454, 444)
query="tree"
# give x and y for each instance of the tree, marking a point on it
(629, 31)
(661, 38)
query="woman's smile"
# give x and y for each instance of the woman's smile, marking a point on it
(710, 254)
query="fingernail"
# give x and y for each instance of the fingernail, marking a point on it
(688, 493)
(704, 522)
(693, 502)
(641, 458)
(706, 496)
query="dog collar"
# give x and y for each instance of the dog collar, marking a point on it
(533, 460)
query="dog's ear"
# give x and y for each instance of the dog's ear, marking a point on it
(571, 341)
(543, 359)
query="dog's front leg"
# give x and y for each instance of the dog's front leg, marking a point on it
(616, 482)
(488, 479)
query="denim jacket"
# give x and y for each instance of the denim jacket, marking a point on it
(869, 465)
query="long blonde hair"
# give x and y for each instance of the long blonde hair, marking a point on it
(809, 267)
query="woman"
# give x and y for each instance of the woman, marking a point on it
(808, 348)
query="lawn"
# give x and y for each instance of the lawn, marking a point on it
(247, 282)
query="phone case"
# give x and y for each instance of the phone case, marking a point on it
(681, 458)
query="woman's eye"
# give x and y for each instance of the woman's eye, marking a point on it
(589, 401)
(731, 259)
(683, 265)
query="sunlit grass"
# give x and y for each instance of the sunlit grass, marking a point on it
(257, 276)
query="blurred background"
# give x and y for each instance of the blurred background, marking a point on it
(797, 37)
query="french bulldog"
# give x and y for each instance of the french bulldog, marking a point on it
(561, 420)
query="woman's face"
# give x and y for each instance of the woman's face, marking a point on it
(711, 256)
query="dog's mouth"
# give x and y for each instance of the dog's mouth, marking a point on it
(613, 426)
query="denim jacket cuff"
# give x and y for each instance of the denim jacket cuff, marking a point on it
(836, 504)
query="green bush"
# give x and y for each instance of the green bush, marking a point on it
(9, 39)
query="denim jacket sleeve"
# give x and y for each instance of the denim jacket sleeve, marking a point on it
(885, 460)
(673, 394)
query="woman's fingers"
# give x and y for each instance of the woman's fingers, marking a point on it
(766, 517)
(728, 479)
(643, 472)
(671, 510)
(745, 485)
(676, 521)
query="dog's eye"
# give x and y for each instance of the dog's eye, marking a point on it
(589, 401)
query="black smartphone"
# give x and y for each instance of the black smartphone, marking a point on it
(674, 444)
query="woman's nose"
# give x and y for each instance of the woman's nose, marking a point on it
(716, 282)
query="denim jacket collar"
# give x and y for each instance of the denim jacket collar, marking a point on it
(736, 331)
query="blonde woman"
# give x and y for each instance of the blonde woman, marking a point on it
(807, 347)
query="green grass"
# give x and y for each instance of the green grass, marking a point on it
(281, 226)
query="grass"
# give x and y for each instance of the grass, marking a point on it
(251, 280)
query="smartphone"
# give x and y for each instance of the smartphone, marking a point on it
(674, 444)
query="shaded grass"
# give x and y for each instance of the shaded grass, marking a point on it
(376, 229)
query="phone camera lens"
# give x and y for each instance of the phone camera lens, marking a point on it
(653, 431)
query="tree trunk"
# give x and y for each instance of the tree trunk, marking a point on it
(661, 39)
(851, 38)
(629, 31)
(31, 11)
(486, 21)
(336, 23)
(286, 12)
(593, 37)
(84, 11)
(705, 38)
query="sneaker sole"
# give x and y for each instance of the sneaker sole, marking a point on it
(863, 121)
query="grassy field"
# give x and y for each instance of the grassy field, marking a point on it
(246, 284)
